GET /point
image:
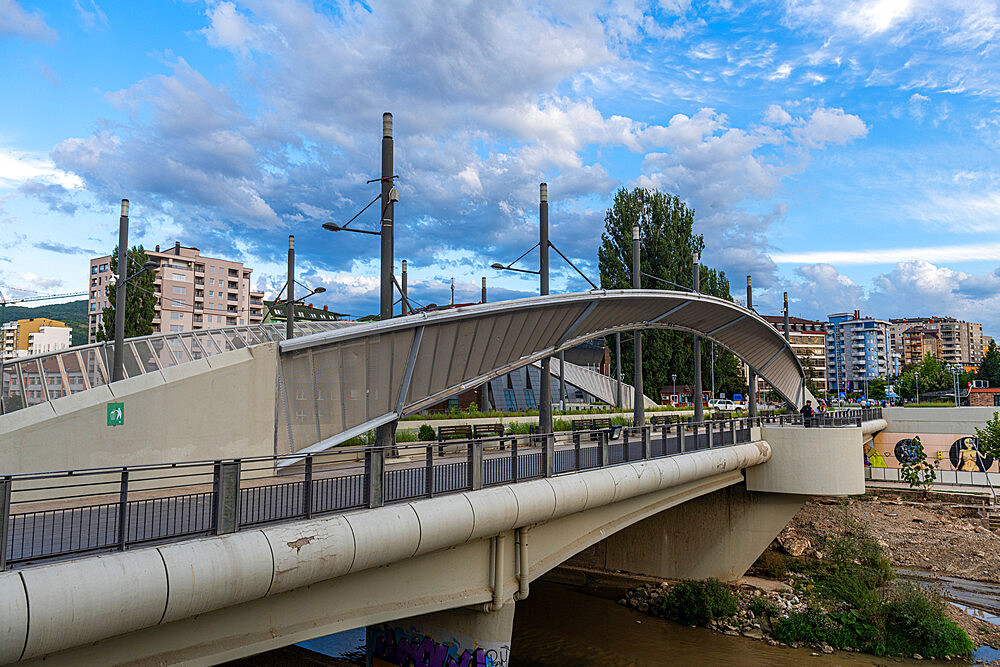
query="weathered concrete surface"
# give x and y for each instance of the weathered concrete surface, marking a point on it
(467, 635)
(219, 407)
(811, 461)
(962, 420)
(715, 535)
(343, 572)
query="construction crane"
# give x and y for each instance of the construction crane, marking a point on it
(44, 297)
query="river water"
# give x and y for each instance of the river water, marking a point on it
(560, 625)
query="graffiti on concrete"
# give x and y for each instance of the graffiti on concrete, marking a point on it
(401, 648)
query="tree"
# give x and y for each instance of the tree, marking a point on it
(934, 376)
(915, 470)
(877, 388)
(667, 245)
(140, 301)
(988, 437)
(989, 367)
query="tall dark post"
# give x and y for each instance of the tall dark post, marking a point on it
(385, 435)
(451, 302)
(699, 409)
(404, 304)
(562, 380)
(545, 398)
(290, 291)
(618, 370)
(638, 406)
(118, 371)
(787, 339)
(482, 299)
(752, 389)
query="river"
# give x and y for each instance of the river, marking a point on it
(579, 627)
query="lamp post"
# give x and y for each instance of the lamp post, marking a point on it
(916, 383)
(638, 407)
(674, 377)
(618, 369)
(751, 376)
(118, 368)
(699, 411)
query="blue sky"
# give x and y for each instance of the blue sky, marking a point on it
(845, 152)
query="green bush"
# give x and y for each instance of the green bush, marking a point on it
(408, 435)
(764, 607)
(915, 622)
(426, 432)
(698, 602)
(811, 626)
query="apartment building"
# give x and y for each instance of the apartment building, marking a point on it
(808, 341)
(192, 292)
(961, 342)
(857, 350)
(36, 335)
(919, 342)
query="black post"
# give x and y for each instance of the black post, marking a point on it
(699, 410)
(483, 297)
(618, 370)
(404, 303)
(562, 380)
(122, 505)
(5, 489)
(752, 377)
(307, 488)
(545, 399)
(118, 369)
(290, 291)
(638, 407)
(385, 435)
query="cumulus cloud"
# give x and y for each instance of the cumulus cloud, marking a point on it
(829, 126)
(14, 20)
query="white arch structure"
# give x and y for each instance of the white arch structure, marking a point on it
(338, 384)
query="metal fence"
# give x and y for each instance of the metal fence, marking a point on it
(28, 381)
(55, 515)
(986, 480)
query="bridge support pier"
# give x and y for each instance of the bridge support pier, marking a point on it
(454, 638)
(717, 535)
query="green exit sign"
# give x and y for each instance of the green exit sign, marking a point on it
(116, 414)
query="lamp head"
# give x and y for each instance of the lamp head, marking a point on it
(319, 290)
(498, 266)
(331, 226)
(150, 265)
(393, 195)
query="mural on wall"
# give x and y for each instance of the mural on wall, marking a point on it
(949, 452)
(391, 646)
(965, 456)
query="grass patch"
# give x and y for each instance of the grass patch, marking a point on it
(698, 602)
(942, 404)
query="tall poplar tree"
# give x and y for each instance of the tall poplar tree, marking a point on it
(989, 367)
(140, 300)
(667, 245)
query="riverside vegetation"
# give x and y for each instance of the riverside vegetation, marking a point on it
(849, 599)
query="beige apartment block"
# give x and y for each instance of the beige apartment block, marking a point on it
(192, 292)
(808, 341)
(35, 335)
(961, 342)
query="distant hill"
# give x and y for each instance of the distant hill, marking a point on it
(73, 313)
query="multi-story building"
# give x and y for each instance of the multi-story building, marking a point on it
(35, 335)
(919, 342)
(961, 342)
(856, 351)
(808, 341)
(192, 292)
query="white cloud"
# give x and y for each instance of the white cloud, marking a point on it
(777, 116)
(229, 29)
(830, 126)
(17, 168)
(14, 20)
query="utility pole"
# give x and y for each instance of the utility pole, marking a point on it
(118, 370)
(618, 370)
(638, 406)
(788, 339)
(562, 380)
(385, 435)
(482, 299)
(752, 377)
(545, 403)
(452, 302)
(290, 291)
(699, 409)
(404, 304)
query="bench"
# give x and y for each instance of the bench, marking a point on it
(459, 432)
(660, 420)
(491, 431)
(594, 424)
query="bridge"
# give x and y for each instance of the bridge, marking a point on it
(286, 531)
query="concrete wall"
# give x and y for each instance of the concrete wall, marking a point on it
(218, 407)
(811, 461)
(962, 420)
(716, 535)
(943, 432)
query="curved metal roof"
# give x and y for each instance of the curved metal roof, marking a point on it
(599, 386)
(373, 373)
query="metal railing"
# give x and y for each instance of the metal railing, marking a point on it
(62, 514)
(852, 417)
(987, 480)
(27, 381)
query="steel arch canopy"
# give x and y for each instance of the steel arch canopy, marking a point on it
(341, 383)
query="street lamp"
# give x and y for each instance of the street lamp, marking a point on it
(674, 376)
(119, 282)
(277, 298)
(916, 383)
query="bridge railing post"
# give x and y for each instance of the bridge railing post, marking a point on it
(710, 430)
(602, 449)
(663, 434)
(307, 488)
(227, 495)
(429, 471)
(680, 437)
(645, 434)
(475, 464)
(732, 431)
(694, 429)
(122, 511)
(625, 444)
(5, 489)
(513, 459)
(576, 450)
(374, 476)
(549, 453)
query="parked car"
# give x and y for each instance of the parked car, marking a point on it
(723, 404)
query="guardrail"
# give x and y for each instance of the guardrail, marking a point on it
(27, 381)
(61, 514)
(987, 480)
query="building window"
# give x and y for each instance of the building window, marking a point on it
(174, 315)
(104, 267)
(508, 395)
(179, 277)
(211, 292)
(176, 327)
(176, 303)
(93, 270)
(177, 289)
(529, 399)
